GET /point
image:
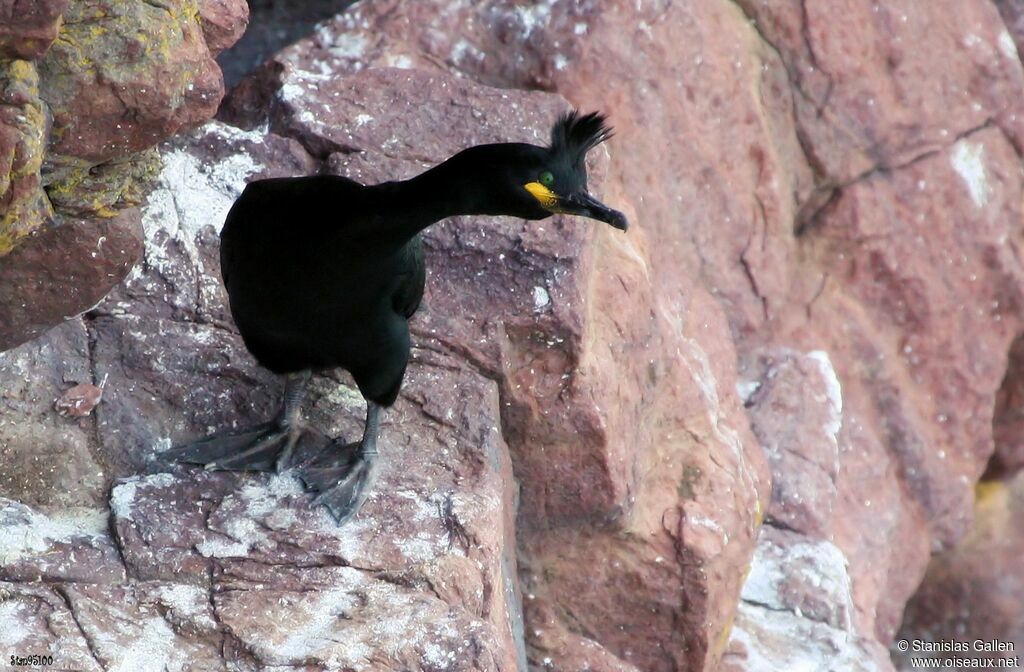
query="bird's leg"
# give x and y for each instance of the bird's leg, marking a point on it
(368, 444)
(291, 415)
(343, 474)
(261, 448)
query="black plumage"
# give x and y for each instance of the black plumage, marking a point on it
(323, 272)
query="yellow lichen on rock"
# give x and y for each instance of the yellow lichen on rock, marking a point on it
(122, 76)
(79, 189)
(23, 204)
(88, 89)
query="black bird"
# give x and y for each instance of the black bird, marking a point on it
(323, 272)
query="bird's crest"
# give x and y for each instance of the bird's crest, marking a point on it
(575, 134)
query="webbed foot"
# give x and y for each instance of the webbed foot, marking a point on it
(260, 448)
(266, 447)
(341, 476)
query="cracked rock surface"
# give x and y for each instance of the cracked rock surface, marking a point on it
(730, 439)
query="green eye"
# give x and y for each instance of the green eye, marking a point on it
(546, 178)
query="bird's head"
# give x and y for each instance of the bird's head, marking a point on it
(537, 182)
(558, 183)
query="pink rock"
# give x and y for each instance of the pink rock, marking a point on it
(929, 390)
(868, 94)
(69, 545)
(797, 611)
(59, 271)
(796, 410)
(163, 624)
(28, 28)
(106, 108)
(45, 625)
(122, 77)
(224, 21)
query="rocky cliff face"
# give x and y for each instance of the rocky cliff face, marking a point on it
(87, 91)
(730, 439)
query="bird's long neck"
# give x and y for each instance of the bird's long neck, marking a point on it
(449, 189)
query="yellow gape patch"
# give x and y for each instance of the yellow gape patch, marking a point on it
(546, 197)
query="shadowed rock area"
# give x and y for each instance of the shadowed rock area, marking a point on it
(730, 439)
(273, 25)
